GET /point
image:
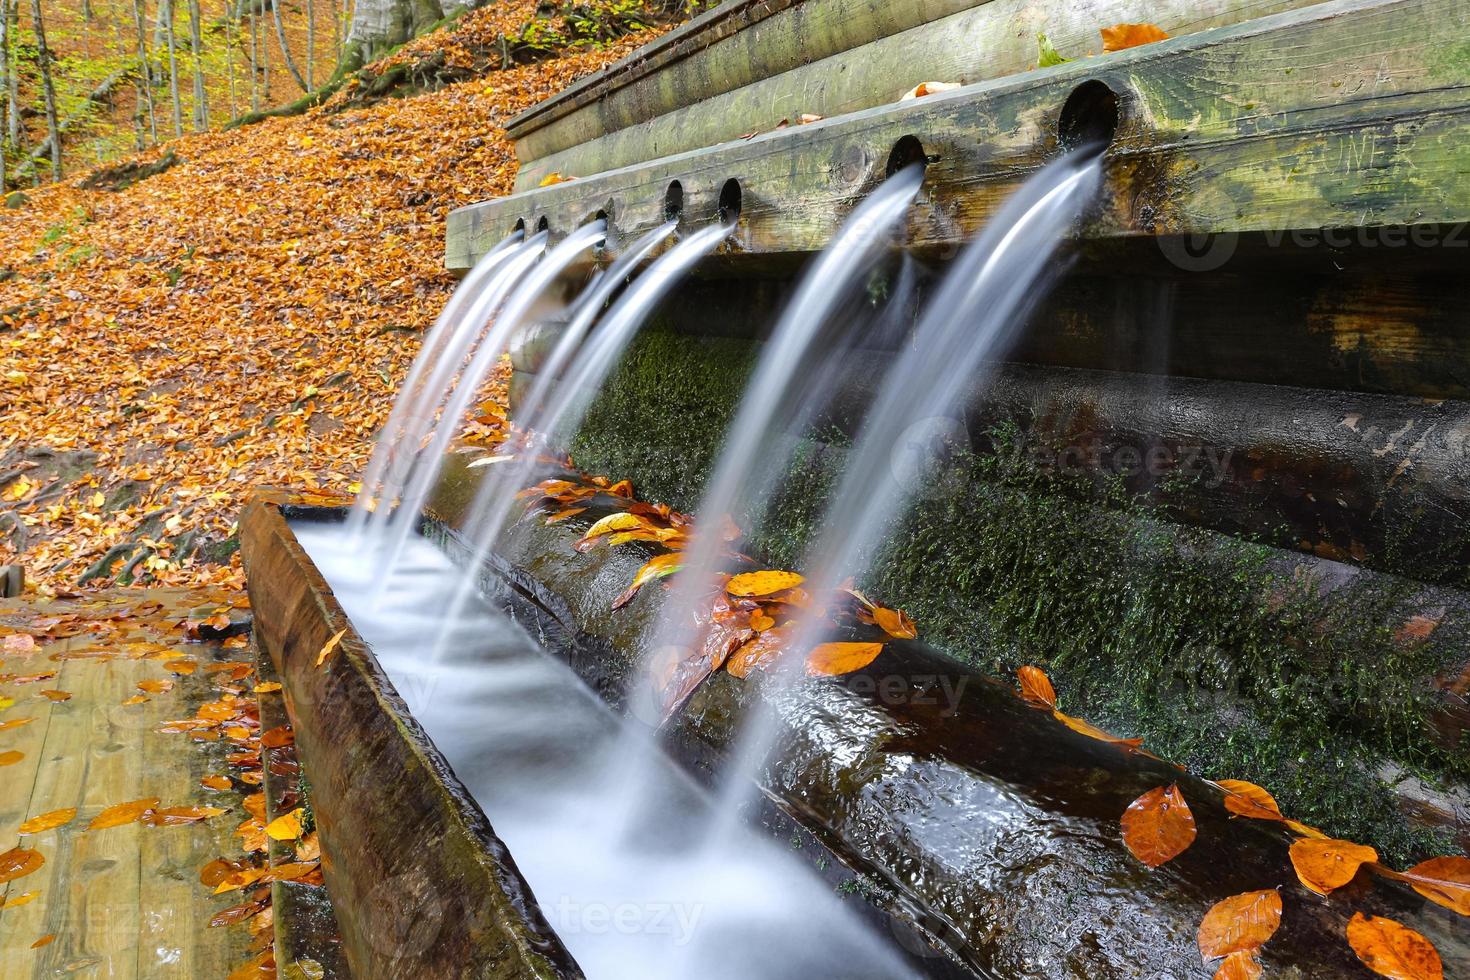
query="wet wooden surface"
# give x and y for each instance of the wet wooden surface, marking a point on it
(122, 901)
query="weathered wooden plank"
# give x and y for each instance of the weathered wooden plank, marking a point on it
(1236, 129)
(990, 40)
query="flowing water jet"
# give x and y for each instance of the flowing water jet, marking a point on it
(564, 407)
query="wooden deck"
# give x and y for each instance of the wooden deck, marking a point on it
(122, 901)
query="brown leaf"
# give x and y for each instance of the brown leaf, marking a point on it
(1158, 827)
(1240, 923)
(1036, 687)
(277, 737)
(122, 813)
(11, 758)
(220, 783)
(1444, 881)
(834, 659)
(1122, 36)
(56, 695)
(18, 862)
(48, 821)
(175, 816)
(217, 871)
(1393, 950)
(156, 686)
(1092, 731)
(45, 940)
(1323, 865)
(234, 914)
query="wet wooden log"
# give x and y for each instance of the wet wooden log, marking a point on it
(989, 816)
(420, 884)
(1237, 129)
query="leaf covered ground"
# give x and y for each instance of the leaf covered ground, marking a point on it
(241, 319)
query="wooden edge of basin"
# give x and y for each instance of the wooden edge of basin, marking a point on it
(420, 882)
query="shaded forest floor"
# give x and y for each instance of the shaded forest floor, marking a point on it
(241, 318)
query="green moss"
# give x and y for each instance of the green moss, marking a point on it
(1203, 644)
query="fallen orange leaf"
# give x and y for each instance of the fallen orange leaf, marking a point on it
(1244, 965)
(122, 813)
(11, 758)
(56, 695)
(268, 687)
(659, 566)
(24, 898)
(1249, 800)
(1323, 865)
(1158, 827)
(1036, 687)
(156, 686)
(1444, 881)
(1392, 949)
(1240, 923)
(45, 940)
(175, 816)
(18, 862)
(48, 821)
(216, 782)
(1122, 36)
(833, 659)
(6, 726)
(135, 699)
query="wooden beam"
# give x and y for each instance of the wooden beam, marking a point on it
(1347, 113)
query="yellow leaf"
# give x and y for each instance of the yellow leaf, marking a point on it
(285, 827)
(762, 583)
(48, 821)
(328, 647)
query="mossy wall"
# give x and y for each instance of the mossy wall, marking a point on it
(1207, 646)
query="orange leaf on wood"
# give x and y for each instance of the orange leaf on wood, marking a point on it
(1323, 865)
(895, 622)
(1036, 687)
(122, 813)
(1092, 731)
(1244, 965)
(45, 940)
(1158, 827)
(1240, 923)
(48, 821)
(285, 827)
(656, 567)
(1122, 36)
(1249, 800)
(1444, 881)
(833, 659)
(1392, 949)
(18, 862)
(328, 647)
(11, 757)
(220, 783)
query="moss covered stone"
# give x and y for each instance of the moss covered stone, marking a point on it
(1215, 650)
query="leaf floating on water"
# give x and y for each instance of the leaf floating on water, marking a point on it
(762, 583)
(19, 862)
(275, 738)
(162, 686)
(1249, 800)
(24, 898)
(1393, 950)
(835, 659)
(48, 821)
(6, 726)
(1244, 965)
(1444, 881)
(1036, 687)
(269, 687)
(1120, 37)
(237, 913)
(220, 783)
(177, 816)
(180, 665)
(328, 647)
(11, 758)
(285, 827)
(55, 696)
(45, 940)
(1047, 56)
(563, 514)
(1240, 923)
(1325, 865)
(135, 699)
(122, 813)
(1158, 826)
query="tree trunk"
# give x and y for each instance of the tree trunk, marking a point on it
(254, 60)
(201, 103)
(310, 44)
(48, 89)
(166, 16)
(286, 50)
(381, 25)
(231, 24)
(11, 13)
(4, 81)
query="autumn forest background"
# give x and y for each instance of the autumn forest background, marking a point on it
(230, 275)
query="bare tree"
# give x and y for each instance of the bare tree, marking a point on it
(4, 81)
(310, 43)
(145, 74)
(48, 89)
(290, 62)
(11, 11)
(166, 21)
